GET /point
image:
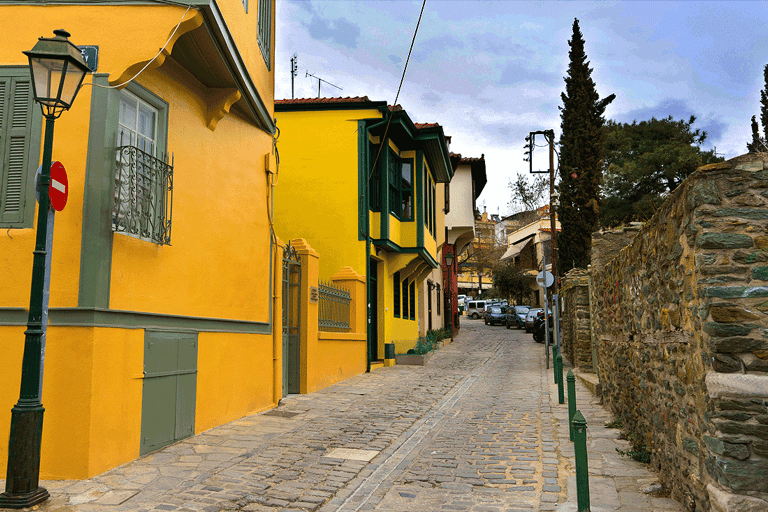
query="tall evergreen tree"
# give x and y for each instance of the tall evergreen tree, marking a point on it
(581, 154)
(759, 142)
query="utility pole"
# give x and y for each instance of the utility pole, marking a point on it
(321, 80)
(294, 70)
(549, 135)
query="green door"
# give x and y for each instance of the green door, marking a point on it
(170, 381)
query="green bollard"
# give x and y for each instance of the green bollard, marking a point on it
(559, 375)
(554, 360)
(582, 465)
(571, 378)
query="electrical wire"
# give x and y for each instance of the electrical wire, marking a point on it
(151, 61)
(389, 117)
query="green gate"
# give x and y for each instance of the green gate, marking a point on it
(291, 332)
(170, 382)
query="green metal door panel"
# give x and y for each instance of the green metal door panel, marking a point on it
(160, 353)
(158, 413)
(185, 405)
(170, 386)
(187, 347)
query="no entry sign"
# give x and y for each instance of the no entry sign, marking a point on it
(59, 187)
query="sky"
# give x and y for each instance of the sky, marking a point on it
(491, 71)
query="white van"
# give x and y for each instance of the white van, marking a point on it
(475, 308)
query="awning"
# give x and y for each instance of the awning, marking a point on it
(516, 249)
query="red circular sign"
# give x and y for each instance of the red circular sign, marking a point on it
(59, 187)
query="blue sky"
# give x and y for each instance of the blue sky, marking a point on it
(490, 71)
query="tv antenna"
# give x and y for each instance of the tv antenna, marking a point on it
(294, 69)
(319, 80)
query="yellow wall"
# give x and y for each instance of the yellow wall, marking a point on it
(220, 233)
(234, 377)
(91, 393)
(317, 196)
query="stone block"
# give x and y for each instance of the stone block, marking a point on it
(740, 475)
(725, 329)
(722, 447)
(712, 240)
(737, 344)
(722, 501)
(732, 314)
(725, 363)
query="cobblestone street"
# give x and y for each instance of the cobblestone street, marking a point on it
(476, 429)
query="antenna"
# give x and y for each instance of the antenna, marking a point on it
(321, 80)
(294, 69)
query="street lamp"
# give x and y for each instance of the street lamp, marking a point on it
(57, 71)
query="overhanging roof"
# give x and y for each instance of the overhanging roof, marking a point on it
(516, 249)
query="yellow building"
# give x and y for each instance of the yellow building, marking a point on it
(361, 183)
(162, 321)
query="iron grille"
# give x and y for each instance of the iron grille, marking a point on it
(143, 195)
(333, 315)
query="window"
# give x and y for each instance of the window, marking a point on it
(430, 218)
(143, 178)
(412, 293)
(265, 30)
(400, 187)
(374, 184)
(447, 198)
(439, 304)
(20, 127)
(396, 295)
(405, 298)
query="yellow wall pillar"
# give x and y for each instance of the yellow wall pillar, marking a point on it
(310, 268)
(358, 307)
(277, 321)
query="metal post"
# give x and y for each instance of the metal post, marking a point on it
(555, 353)
(571, 400)
(559, 378)
(23, 473)
(582, 465)
(553, 236)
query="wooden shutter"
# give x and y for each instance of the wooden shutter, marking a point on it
(16, 112)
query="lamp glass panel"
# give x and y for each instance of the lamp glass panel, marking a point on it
(47, 75)
(73, 77)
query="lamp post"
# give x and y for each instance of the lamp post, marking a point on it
(57, 71)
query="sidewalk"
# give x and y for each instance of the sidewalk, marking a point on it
(476, 429)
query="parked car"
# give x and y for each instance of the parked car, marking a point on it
(516, 316)
(495, 315)
(530, 317)
(475, 308)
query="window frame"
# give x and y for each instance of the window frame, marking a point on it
(160, 151)
(30, 130)
(264, 30)
(406, 309)
(412, 294)
(396, 294)
(397, 190)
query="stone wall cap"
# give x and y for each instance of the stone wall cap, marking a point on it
(723, 501)
(736, 385)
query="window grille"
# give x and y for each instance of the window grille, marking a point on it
(334, 307)
(143, 195)
(264, 35)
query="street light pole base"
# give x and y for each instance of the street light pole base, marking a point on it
(23, 500)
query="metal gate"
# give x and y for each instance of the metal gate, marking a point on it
(291, 316)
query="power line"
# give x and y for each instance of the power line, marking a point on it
(399, 87)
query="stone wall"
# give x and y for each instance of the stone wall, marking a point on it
(681, 332)
(574, 320)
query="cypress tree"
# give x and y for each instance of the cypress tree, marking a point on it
(758, 144)
(581, 157)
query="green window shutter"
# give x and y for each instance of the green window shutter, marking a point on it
(20, 125)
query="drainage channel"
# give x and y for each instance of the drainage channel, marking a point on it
(406, 443)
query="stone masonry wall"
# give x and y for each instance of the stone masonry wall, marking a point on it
(574, 321)
(682, 337)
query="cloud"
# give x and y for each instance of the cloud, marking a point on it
(339, 31)
(395, 59)
(513, 75)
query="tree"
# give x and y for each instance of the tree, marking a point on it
(759, 142)
(580, 158)
(512, 282)
(644, 161)
(527, 196)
